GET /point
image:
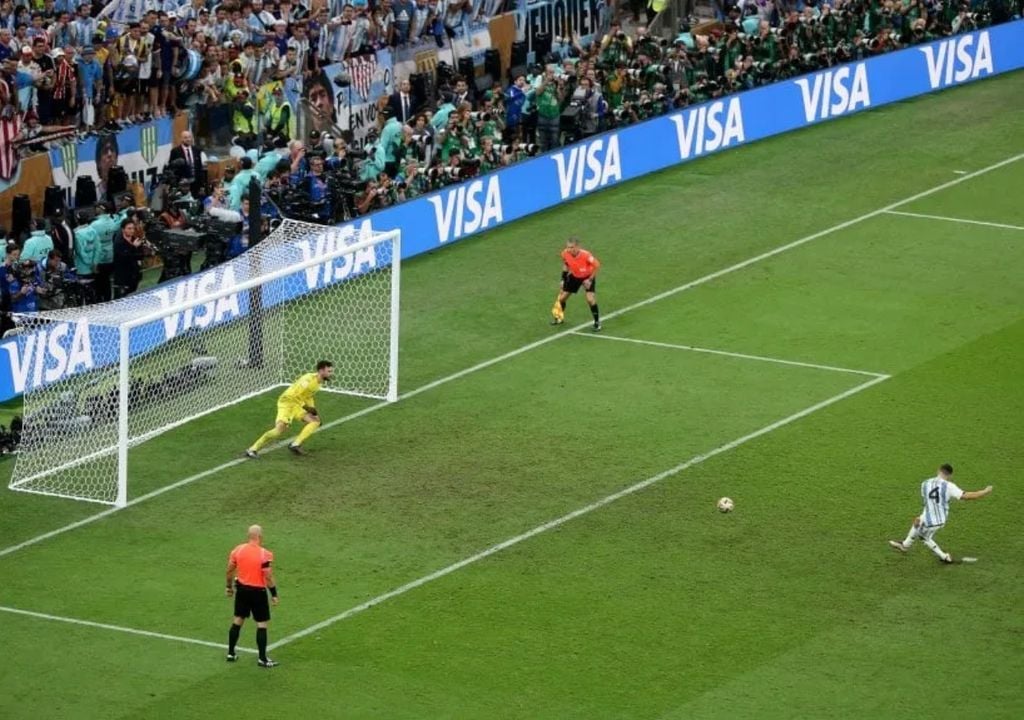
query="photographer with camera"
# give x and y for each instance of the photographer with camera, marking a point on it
(616, 46)
(518, 117)
(549, 96)
(490, 157)
(372, 198)
(17, 285)
(411, 182)
(589, 103)
(50, 279)
(127, 262)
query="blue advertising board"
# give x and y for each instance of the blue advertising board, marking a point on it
(486, 202)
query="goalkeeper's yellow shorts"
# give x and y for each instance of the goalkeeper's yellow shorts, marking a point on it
(288, 413)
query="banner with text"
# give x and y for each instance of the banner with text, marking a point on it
(459, 211)
(322, 103)
(561, 20)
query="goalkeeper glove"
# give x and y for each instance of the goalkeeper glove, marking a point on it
(312, 411)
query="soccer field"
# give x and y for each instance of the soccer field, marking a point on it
(809, 325)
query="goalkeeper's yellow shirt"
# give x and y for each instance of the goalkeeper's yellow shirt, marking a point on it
(301, 391)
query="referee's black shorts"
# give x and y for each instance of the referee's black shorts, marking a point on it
(572, 284)
(252, 601)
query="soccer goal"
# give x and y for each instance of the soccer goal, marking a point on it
(100, 380)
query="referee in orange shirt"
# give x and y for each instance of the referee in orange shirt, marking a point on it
(249, 577)
(579, 269)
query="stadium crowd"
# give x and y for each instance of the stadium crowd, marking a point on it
(72, 66)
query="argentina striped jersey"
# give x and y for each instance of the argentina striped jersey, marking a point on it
(936, 494)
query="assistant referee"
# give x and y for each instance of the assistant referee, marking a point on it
(579, 269)
(249, 577)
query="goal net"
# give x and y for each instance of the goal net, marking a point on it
(100, 380)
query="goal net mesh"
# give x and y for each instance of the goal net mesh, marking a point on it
(306, 293)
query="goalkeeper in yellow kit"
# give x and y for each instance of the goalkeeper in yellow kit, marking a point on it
(296, 403)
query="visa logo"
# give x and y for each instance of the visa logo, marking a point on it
(832, 93)
(342, 266)
(468, 208)
(195, 288)
(50, 354)
(708, 128)
(588, 167)
(958, 59)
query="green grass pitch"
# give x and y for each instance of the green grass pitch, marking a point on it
(652, 605)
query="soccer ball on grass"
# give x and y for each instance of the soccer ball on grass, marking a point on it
(725, 505)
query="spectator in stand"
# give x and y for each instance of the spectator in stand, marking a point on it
(90, 79)
(65, 87)
(84, 27)
(44, 88)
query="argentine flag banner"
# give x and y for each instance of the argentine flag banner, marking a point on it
(142, 151)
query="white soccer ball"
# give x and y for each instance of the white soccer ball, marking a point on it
(725, 505)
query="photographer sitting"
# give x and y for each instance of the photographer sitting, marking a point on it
(490, 158)
(128, 254)
(50, 282)
(173, 218)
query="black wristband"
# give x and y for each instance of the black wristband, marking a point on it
(273, 591)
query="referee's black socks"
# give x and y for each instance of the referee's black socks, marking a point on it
(261, 642)
(595, 312)
(233, 634)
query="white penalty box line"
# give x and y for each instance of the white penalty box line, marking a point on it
(494, 361)
(962, 221)
(726, 353)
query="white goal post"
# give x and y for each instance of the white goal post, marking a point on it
(103, 379)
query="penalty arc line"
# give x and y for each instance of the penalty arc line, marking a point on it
(118, 628)
(538, 343)
(552, 524)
